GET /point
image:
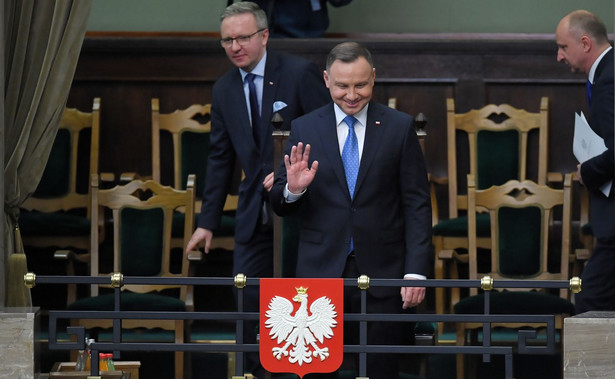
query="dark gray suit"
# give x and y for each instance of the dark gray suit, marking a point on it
(295, 81)
(598, 292)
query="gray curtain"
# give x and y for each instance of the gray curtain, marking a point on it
(42, 40)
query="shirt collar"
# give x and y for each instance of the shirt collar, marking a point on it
(592, 70)
(361, 115)
(259, 69)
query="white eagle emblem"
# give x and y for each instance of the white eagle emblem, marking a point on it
(301, 330)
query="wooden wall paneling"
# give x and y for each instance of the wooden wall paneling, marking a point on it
(126, 72)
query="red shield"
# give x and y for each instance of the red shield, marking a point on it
(301, 325)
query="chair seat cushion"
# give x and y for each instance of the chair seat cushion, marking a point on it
(227, 225)
(35, 223)
(130, 302)
(515, 302)
(458, 227)
(425, 327)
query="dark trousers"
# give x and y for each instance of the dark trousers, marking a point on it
(598, 279)
(255, 260)
(380, 365)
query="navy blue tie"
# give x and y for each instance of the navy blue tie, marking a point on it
(254, 110)
(350, 158)
(588, 86)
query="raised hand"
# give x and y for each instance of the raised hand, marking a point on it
(298, 173)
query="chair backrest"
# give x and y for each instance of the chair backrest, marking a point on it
(190, 142)
(497, 145)
(521, 214)
(190, 130)
(142, 213)
(59, 189)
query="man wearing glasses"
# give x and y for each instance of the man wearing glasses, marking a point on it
(243, 103)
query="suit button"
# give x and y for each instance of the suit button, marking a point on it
(353, 210)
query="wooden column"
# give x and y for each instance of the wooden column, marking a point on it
(280, 138)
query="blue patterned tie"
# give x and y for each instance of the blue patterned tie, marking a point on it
(588, 86)
(350, 158)
(254, 113)
(350, 155)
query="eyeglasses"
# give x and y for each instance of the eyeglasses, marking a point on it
(241, 40)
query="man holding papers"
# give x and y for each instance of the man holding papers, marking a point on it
(583, 45)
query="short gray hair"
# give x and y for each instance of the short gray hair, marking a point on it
(348, 52)
(246, 7)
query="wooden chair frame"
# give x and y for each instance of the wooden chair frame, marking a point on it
(471, 123)
(168, 199)
(75, 122)
(518, 194)
(176, 123)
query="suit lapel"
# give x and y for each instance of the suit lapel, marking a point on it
(603, 63)
(373, 137)
(328, 137)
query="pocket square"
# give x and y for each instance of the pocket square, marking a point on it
(278, 106)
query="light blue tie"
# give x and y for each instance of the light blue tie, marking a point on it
(350, 158)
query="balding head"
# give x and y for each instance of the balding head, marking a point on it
(581, 38)
(582, 22)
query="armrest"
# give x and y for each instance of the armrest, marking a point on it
(446, 268)
(70, 257)
(578, 259)
(555, 177)
(126, 177)
(107, 177)
(192, 256)
(581, 254)
(437, 180)
(453, 255)
(433, 181)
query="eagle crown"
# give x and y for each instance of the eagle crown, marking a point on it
(301, 294)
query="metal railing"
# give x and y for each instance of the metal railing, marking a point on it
(486, 349)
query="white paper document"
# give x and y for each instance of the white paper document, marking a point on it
(587, 144)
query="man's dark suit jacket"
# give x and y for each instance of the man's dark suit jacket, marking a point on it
(390, 215)
(598, 170)
(292, 80)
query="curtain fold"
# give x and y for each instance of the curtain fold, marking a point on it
(43, 39)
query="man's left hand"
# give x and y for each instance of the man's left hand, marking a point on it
(412, 296)
(268, 182)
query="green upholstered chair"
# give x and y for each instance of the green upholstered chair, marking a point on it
(190, 149)
(58, 213)
(521, 214)
(141, 213)
(495, 138)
